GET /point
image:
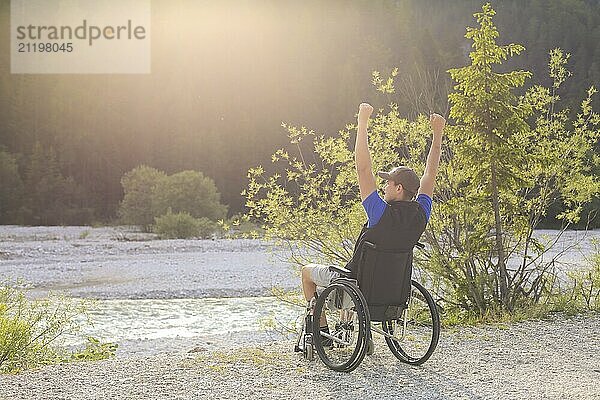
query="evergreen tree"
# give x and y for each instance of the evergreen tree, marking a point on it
(11, 189)
(50, 198)
(490, 123)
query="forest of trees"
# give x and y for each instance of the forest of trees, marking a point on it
(225, 76)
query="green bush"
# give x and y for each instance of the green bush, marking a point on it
(240, 226)
(95, 350)
(586, 283)
(138, 185)
(150, 193)
(206, 227)
(182, 225)
(191, 192)
(30, 330)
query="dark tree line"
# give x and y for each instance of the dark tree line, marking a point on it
(226, 74)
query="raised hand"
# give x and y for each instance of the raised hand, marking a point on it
(437, 123)
(364, 112)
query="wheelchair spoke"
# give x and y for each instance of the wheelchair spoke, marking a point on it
(415, 334)
(342, 345)
(335, 338)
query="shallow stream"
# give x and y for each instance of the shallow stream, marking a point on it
(155, 325)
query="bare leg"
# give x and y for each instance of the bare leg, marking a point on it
(309, 288)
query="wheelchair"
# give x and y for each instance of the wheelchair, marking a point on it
(382, 298)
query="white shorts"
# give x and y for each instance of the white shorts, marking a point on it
(321, 275)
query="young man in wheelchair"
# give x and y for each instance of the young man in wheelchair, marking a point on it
(395, 221)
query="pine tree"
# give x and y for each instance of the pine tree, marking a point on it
(490, 121)
(11, 189)
(50, 198)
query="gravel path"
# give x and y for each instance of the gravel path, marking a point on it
(557, 359)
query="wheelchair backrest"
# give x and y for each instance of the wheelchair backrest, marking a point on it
(384, 279)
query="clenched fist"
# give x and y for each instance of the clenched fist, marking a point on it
(364, 112)
(437, 123)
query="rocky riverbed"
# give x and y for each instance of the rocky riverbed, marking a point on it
(120, 263)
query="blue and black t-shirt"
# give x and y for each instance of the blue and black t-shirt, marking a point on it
(375, 207)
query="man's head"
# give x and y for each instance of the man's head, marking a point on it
(402, 184)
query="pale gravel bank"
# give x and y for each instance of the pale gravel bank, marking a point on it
(554, 359)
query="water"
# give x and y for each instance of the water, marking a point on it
(155, 319)
(154, 325)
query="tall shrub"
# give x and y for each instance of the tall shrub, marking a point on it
(188, 191)
(150, 193)
(139, 185)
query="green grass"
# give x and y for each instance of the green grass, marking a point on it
(255, 359)
(560, 304)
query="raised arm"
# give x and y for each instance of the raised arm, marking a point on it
(433, 159)
(364, 168)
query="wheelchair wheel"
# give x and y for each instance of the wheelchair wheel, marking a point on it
(344, 348)
(417, 331)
